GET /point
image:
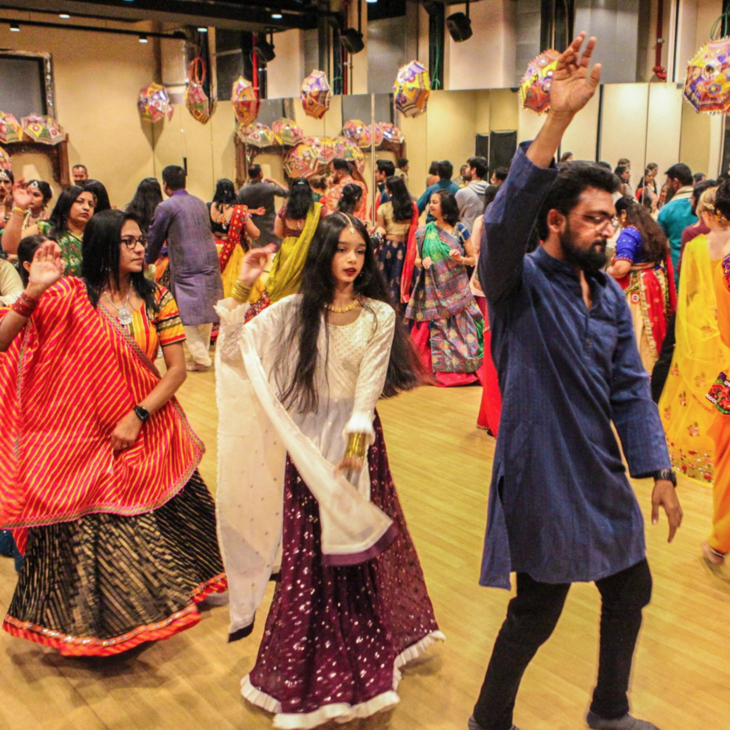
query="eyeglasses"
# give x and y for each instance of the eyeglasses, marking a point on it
(598, 220)
(130, 242)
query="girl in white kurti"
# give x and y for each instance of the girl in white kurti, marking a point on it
(297, 389)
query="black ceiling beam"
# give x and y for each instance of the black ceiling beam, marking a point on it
(62, 9)
(176, 35)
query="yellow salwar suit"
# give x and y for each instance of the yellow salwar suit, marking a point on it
(685, 411)
(719, 539)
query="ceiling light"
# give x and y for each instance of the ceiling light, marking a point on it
(371, 2)
(15, 28)
(202, 29)
(276, 16)
(64, 16)
(142, 38)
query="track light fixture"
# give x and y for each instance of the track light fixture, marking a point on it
(64, 16)
(14, 28)
(143, 38)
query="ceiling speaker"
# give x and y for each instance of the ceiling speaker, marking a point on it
(459, 27)
(352, 41)
(265, 51)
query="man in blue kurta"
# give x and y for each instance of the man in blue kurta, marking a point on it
(561, 508)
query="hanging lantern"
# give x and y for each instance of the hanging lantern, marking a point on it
(10, 129)
(303, 161)
(4, 160)
(536, 83)
(154, 103)
(43, 129)
(245, 102)
(390, 133)
(316, 94)
(707, 84)
(348, 150)
(288, 131)
(412, 88)
(257, 135)
(196, 100)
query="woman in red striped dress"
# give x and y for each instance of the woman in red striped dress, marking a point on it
(98, 464)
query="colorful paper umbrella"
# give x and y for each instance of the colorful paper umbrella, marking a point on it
(258, 135)
(288, 131)
(42, 129)
(154, 103)
(4, 160)
(359, 133)
(10, 129)
(536, 83)
(348, 150)
(245, 102)
(707, 84)
(315, 94)
(412, 88)
(324, 147)
(391, 133)
(303, 161)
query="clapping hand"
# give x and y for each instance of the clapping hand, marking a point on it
(253, 264)
(572, 87)
(21, 196)
(46, 269)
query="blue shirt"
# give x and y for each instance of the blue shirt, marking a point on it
(674, 217)
(560, 505)
(425, 199)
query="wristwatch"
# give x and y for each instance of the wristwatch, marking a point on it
(668, 474)
(142, 413)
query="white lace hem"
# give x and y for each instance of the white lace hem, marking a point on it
(339, 712)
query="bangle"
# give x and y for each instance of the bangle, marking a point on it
(25, 305)
(19, 211)
(356, 445)
(241, 292)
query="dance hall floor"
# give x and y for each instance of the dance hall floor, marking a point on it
(441, 464)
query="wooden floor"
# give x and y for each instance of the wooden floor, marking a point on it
(441, 464)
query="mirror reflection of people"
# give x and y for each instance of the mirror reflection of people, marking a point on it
(79, 174)
(341, 176)
(261, 192)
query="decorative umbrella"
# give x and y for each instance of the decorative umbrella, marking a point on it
(10, 129)
(44, 129)
(315, 94)
(412, 88)
(303, 161)
(324, 147)
(707, 84)
(154, 103)
(4, 160)
(348, 150)
(257, 135)
(391, 133)
(359, 133)
(536, 83)
(245, 102)
(200, 106)
(289, 132)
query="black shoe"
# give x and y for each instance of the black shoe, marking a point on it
(472, 724)
(622, 723)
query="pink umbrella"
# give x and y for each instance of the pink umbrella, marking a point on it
(245, 102)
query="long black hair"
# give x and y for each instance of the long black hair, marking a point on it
(100, 251)
(296, 385)
(654, 243)
(58, 219)
(145, 201)
(100, 193)
(449, 206)
(350, 199)
(301, 199)
(225, 192)
(401, 199)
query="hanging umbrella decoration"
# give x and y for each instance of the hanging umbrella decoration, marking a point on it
(536, 83)
(348, 150)
(200, 106)
(288, 131)
(303, 161)
(391, 133)
(10, 129)
(707, 84)
(245, 102)
(154, 103)
(359, 133)
(315, 94)
(5, 163)
(412, 88)
(324, 147)
(258, 135)
(43, 129)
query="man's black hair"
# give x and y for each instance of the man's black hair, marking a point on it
(445, 170)
(174, 177)
(340, 164)
(680, 172)
(479, 164)
(501, 173)
(386, 166)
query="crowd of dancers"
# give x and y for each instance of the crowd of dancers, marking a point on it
(316, 312)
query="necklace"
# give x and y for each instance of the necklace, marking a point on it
(123, 314)
(342, 310)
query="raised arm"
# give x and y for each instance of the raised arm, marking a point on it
(511, 218)
(13, 232)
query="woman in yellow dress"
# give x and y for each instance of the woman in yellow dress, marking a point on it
(686, 413)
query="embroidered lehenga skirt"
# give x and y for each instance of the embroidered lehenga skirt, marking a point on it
(105, 583)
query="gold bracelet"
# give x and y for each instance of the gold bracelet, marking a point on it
(241, 292)
(356, 445)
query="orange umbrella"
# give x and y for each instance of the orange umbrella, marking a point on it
(245, 102)
(315, 94)
(536, 83)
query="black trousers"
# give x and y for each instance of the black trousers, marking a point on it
(531, 618)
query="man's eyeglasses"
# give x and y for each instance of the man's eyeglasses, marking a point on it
(598, 220)
(131, 242)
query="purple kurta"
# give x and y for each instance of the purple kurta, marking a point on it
(183, 221)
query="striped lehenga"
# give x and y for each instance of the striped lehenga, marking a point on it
(119, 548)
